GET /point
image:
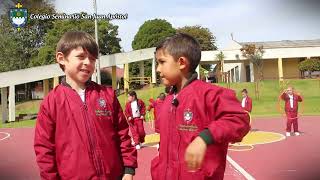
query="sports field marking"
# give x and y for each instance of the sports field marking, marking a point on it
(240, 169)
(256, 138)
(7, 135)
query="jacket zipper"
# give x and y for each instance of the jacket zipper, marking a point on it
(97, 164)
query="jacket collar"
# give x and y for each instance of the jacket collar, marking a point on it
(64, 83)
(194, 76)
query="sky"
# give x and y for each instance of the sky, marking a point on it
(247, 20)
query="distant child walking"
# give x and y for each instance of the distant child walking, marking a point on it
(292, 100)
(135, 112)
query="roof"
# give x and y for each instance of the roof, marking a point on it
(285, 43)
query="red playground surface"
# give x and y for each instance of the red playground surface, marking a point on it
(291, 158)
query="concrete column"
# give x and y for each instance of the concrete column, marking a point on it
(198, 71)
(12, 104)
(4, 104)
(251, 72)
(141, 70)
(126, 77)
(114, 77)
(154, 74)
(94, 76)
(55, 81)
(45, 87)
(280, 69)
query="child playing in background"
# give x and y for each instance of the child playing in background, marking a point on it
(291, 99)
(156, 104)
(135, 111)
(246, 102)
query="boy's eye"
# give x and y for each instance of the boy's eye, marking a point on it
(81, 56)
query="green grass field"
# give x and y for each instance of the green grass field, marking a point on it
(267, 105)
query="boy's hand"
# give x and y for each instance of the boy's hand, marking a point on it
(195, 153)
(127, 177)
(129, 118)
(141, 117)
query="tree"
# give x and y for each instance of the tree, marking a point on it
(220, 57)
(203, 35)
(205, 38)
(107, 34)
(254, 54)
(24, 44)
(149, 35)
(309, 65)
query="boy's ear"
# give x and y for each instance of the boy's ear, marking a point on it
(60, 58)
(184, 63)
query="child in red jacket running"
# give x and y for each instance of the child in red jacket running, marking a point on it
(135, 112)
(156, 104)
(291, 108)
(81, 132)
(197, 119)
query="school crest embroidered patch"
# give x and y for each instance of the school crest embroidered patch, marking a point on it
(187, 115)
(102, 103)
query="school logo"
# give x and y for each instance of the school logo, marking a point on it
(102, 103)
(18, 16)
(187, 115)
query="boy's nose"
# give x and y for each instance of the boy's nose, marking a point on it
(87, 60)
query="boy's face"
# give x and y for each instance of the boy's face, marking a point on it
(290, 90)
(78, 65)
(168, 68)
(244, 94)
(130, 98)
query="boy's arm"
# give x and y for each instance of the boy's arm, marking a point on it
(299, 97)
(128, 152)
(249, 104)
(230, 123)
(44, 144)
(143, 108)
(283, 95)
(127, 111)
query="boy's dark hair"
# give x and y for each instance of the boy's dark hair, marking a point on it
(133, 93)
(245, 91)
(167, 89)
(73, 39)
(162, 96)
(182, 45)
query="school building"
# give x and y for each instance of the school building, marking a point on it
(280, 60)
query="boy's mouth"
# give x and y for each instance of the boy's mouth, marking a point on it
(85, 71)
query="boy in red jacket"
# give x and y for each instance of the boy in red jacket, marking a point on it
(291, 108)
(246, 102)
(135, 111)
(156, 104)
(81, 132)
(197, 119)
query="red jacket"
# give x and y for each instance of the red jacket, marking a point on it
(141, 106)
(296, 99)
(201, 106)
(248, 104)
(76, 140)
(157, 109)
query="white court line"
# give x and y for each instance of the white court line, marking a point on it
(240, 169)
(7, 136)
